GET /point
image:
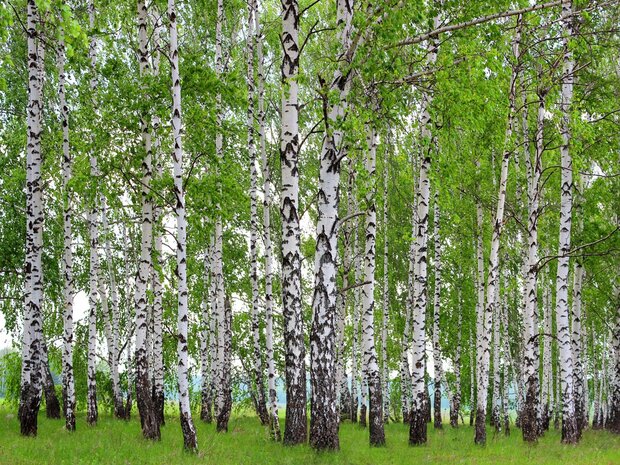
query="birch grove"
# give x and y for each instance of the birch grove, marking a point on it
(215, 254)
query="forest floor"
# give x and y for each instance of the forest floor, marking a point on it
(118, 442)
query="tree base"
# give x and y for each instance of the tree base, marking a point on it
(417, 427)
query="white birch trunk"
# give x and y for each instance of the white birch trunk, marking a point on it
(436, 317)
(68, 382)
(258, 382)
(295, 425)
(93, 234)
(371, 365)
(493, 272)
(156, 261)
(569, 425)
(274, 421)
(187, 425)
(148, 419)
(579, 375)
(111, 319)
(386, 294)
(417, 430)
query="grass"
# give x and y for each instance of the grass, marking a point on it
(117, 442)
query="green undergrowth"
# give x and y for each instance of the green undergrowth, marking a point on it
(118, 442)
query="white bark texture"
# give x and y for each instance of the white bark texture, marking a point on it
(187, 424)
(371, 365)
(258, 381)
(274, 421)
(93, 234)
(295, 430)
(417, 430)
(150, 425)
(33, 286)
(483, 352)
(68, 381)
(569, 424)
(436, 316)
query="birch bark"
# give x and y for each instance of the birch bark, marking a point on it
(259, 384)
(417, 429)
(483, 353)
(295, 430)
(436, 316)
(569, 425)
(93, 233)
(68, 381)
(187, 424)
(371, 365)
(274, 421)
(144, 395)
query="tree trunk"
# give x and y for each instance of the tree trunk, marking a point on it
(579, 373)
(496, 421)
(52, 406)
(323, 411)
(417, 424)
(547, 383)
(148, 416)
(274, 421)
(569, 425)
(472, 382)
(371, 365)
(223, 414)
(385, 372)
(259, 383)
(506, 362)
(355, 343)
(613, 416)
(93, 233)
(156, 261)
(206, 410)
(493, 272)
(295, 430)
(455, 402)
(68, 383)
(529, 420)
(187, 424)
(436, 317)
(112, 328)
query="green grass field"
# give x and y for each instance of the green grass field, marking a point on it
(117, 442)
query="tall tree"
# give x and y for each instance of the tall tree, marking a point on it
(295, 429)
(417, 428)
(92, 411)
(68, 381)
(157, 257)
(259, 384)
(144, 396)
(274, 421)
(482, 345)
(436, 316)
(187, 424)
(371, 365)
(569, 424)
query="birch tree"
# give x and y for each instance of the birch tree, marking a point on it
(569, 424)
(295, 430)
(274, 421)
(144, 399)
(92, 411)
(482, 346)
(259, 385)
(187, 424)
(436, 317)
(371, 365)
(68, 382)
(417, 428)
